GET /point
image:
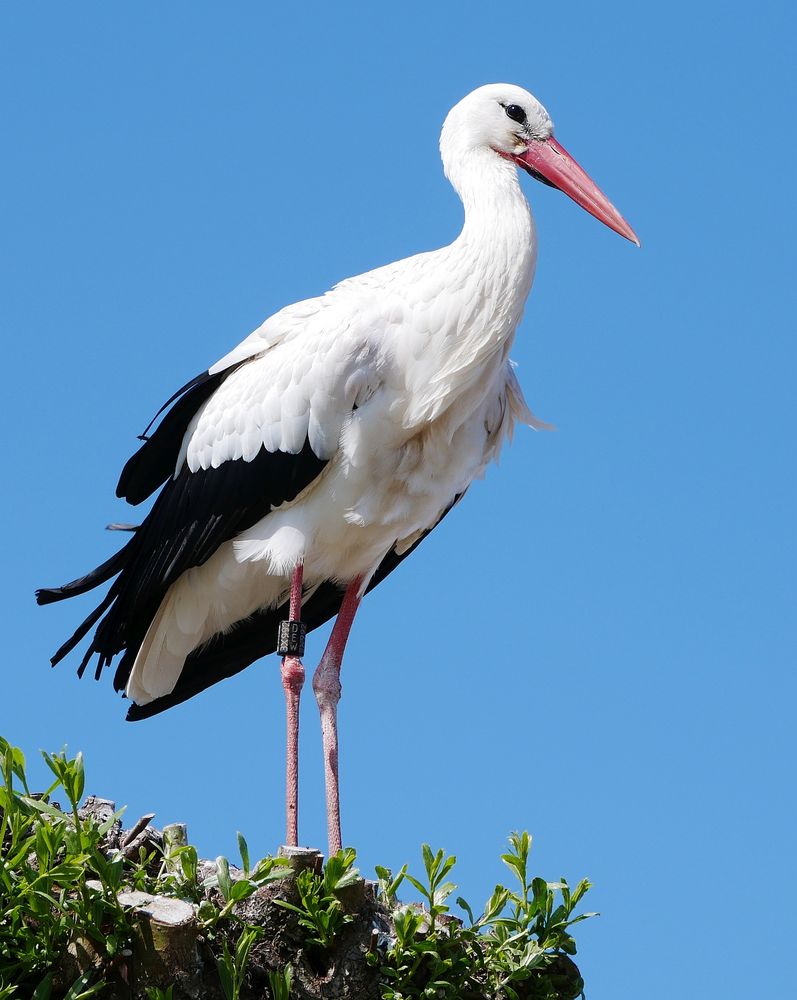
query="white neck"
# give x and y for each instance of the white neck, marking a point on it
(487, 271)
(498, 238)
(497, 247)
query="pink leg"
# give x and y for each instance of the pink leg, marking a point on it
(326, 684)
(292, 680)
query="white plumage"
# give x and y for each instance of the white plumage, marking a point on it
(396, 463)
(420, 348)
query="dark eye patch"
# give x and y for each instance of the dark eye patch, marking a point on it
(516, 113)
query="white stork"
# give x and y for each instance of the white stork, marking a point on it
(302, 468)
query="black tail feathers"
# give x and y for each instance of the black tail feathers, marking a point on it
(102, 574)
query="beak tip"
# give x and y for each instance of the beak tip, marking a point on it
(629, 234)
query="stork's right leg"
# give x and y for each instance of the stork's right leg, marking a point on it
(326, 684)
(292, 638)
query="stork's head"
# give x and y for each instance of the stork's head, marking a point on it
(510, 123)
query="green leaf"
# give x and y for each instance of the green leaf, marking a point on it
(463, 905)
(188, 863)
(223, 875)
(225, 967)
(448, 864)
(418, 885)
(339, 871)
(81, 990)
(44, 989)
(280, 983)
(243, 849)
(44, 807)
(514, 862)
(540, 889)
(53, 762)
(248, 937)
(495, 903)
(79, 778)
(104, 827)
(242, 889)
(583, 886)
(207, 912)
(17, 763)
(290, 906)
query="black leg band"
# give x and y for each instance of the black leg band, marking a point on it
(290, 638)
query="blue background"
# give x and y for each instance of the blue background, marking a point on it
(599, 644)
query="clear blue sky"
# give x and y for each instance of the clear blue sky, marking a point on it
(173, 173)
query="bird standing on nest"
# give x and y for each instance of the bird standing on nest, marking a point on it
(303, 467)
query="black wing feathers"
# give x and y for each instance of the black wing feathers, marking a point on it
(102, 574)
(193, 515)
(155, 460)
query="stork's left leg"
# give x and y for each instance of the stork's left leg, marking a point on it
(326, 684)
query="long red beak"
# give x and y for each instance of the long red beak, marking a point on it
(551, 162)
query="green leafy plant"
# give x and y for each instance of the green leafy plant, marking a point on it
(518, 947)
(319, 910)
(234, 891)
(61, 874)
(534, 933)
(280, 983)
(232, 964)
(55, 876)
(83, 988)
(388, 885)
(59, 883)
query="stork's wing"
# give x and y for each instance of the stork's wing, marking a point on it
(237, 442)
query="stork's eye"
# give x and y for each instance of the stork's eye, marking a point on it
(516, 113)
